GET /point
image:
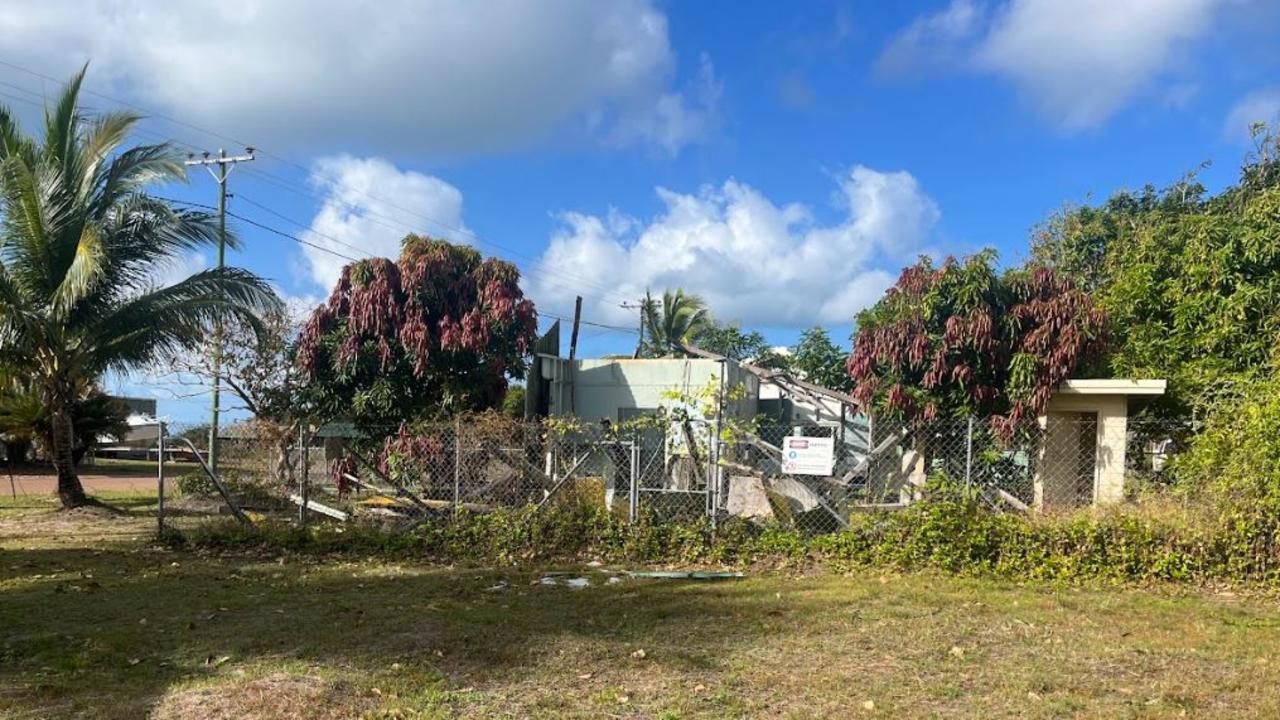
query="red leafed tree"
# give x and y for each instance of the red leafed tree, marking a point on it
(962, 339)
(438, 331)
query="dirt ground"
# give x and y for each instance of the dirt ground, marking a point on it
(40, 482)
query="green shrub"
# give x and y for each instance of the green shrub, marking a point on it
(196, 484)
(1233, 467)
(947, 532)
(246, 489)
(1236, 457)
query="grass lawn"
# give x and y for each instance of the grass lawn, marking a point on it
(96, 622)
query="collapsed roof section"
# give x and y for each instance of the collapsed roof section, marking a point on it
(785, 381)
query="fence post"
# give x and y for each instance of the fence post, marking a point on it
(304, 477)
(160, 478)
(713, 463)
(968, 455)
(457, 465)
(635, 481)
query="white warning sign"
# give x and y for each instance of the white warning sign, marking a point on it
(807, 455)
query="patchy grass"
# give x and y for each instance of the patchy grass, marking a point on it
(97, 622)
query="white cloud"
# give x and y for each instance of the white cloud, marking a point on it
(351, 222)
(180, 267)
(931, 41)
(677, 118)
(1077, 61)
(753, 260)
(1081, 61)
(1259, 106)
(429, 76)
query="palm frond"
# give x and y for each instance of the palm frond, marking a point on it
(84, 274)
(16, 321)
(12, 141)
(179, 317)
(30, 203)
(144, 235)
(106, 133)
(63, 120)
(80, 247)
(21, 412)
(132, 170)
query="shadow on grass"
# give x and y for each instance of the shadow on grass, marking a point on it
(137, 621)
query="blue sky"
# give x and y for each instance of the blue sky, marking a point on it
(782, 159)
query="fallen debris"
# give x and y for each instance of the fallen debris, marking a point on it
(314, 506)
(683, 575)
(576, 582)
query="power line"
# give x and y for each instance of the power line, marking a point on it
(21, 99)
(566, 281)
(607, 294)
(261, 226)
(125, 103)
(373, 216)
(308, 228)
(311, 171)
(295, 238)
(535, 270)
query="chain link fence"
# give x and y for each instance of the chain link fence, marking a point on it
(813, 477)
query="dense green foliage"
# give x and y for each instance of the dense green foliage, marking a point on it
(1190, 283)
(820, 361)
(81, 246)
(731, 341)
(513, 402)
(1234, 461)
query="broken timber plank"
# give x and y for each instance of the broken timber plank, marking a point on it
(314, 506)
(1010, 498)
(520, 465)
(878, 507)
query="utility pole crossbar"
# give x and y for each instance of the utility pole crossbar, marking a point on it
(224, 165)
(641, 305)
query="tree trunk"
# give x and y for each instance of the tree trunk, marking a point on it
(283, 470)
(70, 491)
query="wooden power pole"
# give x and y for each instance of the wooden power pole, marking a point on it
(573, 352)
(223, 164)
(640, 305)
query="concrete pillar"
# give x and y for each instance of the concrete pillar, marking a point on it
(1113, 427)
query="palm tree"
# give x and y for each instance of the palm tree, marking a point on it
(80, 246)
(678, 319)
(25, 421)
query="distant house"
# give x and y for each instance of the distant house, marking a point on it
(144, 430)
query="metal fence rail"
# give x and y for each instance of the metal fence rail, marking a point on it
(679, 471)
